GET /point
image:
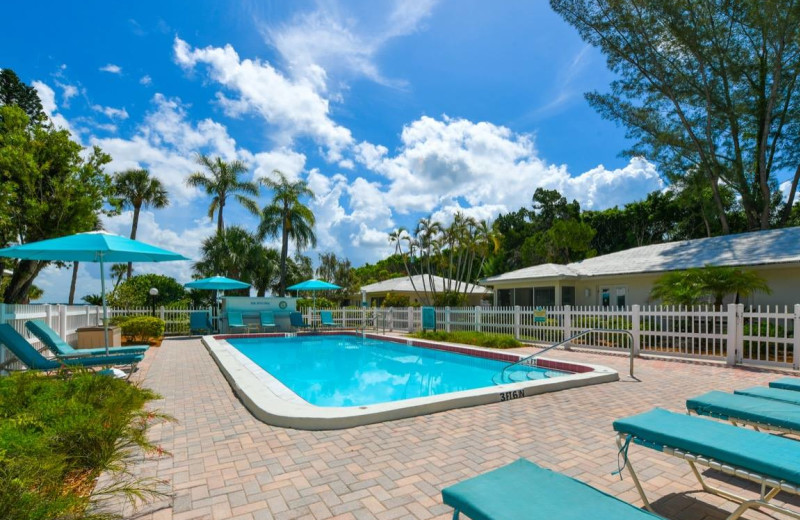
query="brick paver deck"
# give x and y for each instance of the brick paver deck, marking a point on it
(226, 464)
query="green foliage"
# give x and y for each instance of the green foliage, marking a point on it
(480, 339)
(709, 283)
(566, 241)
(287, 217)
(321, 303)
(49, 187)
(142, 329)
(58, 434)
(704, 87)
(135, 292)
(395, 300)
(449, 299)
(93, 299)
(15, 92)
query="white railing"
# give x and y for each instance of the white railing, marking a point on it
(763, 336)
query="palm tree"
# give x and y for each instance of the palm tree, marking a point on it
(222, 183)
(286, 215)
(264, 268)
(136, 189)
(117, 272)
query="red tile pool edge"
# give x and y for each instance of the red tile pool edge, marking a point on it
(497, 356)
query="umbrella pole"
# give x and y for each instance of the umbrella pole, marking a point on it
(103, 296)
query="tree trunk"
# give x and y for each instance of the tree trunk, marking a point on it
(73, 283)
(134, 227)
(21, 280)
(220, 222)
(284, 254)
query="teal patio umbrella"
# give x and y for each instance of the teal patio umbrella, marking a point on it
(94, 246)
(217, 283)
(313, 285)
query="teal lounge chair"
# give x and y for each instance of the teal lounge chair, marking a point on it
(776, 394)
(747, 410)
(28, 355)
(62, 349)
(199, 323)
(296, 321)
(326, 319)
(267, 320)
(786, 383)
(236, 322)
(524, 491)
(769, 460)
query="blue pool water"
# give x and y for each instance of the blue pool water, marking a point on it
(341, 370)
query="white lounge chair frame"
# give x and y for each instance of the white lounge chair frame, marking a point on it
(769, 486)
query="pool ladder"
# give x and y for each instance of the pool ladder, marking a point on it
(531, 361)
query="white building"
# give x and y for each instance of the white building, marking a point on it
(376, 292)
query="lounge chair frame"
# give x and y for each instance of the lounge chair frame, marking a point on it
(769, 486)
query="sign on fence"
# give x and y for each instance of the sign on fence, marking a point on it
(539, 315)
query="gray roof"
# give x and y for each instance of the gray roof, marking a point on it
(421, 281)
(775, 246)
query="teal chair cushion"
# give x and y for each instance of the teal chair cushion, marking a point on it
(61, 348)
(787, 383)
(755, 409)
(777, 394)
(769, 455)
(524, 491)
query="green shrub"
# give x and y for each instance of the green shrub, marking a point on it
(480, 339)
(58, 434)
(395, 300)
(142, 329)
(118, 320)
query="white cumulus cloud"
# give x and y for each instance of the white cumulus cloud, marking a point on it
(111, 68)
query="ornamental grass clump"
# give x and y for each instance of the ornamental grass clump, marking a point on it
(480, 339)
(59, 434)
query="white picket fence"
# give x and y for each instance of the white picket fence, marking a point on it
(736, 335)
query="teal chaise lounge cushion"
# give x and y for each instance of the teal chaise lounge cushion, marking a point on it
(777, 394)
(727, 406)
(61, 348)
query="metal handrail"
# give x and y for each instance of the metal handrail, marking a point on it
(525, 360)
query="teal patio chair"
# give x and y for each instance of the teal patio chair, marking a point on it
(24, 351)
(786, 383)
(296, 321)
(771, 461)
(326, 319)
(524, 491)
(62, 349)
(199, 323)
(236, 322)
(748, 410)
(267, 320)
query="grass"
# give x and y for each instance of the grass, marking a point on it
(58, 434)
(480, 339)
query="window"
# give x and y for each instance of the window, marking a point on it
(523, 297)
(567, 296)
(605, 297)
(621, 292)
(544, 296)
(504, 298)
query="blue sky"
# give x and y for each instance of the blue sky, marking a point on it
(390, 110)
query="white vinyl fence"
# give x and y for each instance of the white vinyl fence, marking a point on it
(736, 335)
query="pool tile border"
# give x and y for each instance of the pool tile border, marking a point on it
(273, 403)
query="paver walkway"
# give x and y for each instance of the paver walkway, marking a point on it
(227, 464)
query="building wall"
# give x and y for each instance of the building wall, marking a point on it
(783, 281)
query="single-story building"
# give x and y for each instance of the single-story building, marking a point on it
(626, 277)
(377, 292)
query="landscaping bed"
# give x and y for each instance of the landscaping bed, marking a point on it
(479, 339)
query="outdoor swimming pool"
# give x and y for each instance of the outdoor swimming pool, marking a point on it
(324, 381)
(347, 370)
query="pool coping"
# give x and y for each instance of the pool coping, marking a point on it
(272, 402)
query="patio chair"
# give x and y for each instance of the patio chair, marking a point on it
(61, 348)
(524, 491)
(786, 383)
(236, 322)
(326, 319)
(267, 320)
(747, 410)
(296, 321)
(199, 323)
(769, 460)
(777, 394)
(24, 351)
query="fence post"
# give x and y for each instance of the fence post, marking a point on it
(391, 319)
(516, 321)
(796, 338)
(97, 315)
(731, 352)
(636, 331)
(86, 319)
(447, 319)
(161, 313)
(48, 313)
(567, 324)
(410, 319)
(62, 321)
(478, 318)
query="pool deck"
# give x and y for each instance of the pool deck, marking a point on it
(227, 464)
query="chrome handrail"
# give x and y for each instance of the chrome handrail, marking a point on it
(525, 360)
